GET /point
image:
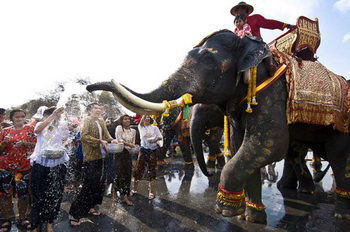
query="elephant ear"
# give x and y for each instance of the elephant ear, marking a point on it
(253, 51)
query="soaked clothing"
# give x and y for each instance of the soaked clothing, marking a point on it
(93, 131)
(48, 175)
(123, 164)
(123, 160)
(94, 173)
(45, 139)
(148, 152)
(147, 159)
(147, 134)
(92, 191)
(16, 159)
(14, 184)
(47, 185)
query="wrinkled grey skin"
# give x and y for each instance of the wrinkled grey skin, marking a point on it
(169, 128)
(211, 72)
(206, 117)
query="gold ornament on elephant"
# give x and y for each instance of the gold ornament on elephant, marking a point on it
(228, 198)
(258, 207)
(343, 192)
(251, 95)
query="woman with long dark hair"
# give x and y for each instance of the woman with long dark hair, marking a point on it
(151, 140)
(126, 135)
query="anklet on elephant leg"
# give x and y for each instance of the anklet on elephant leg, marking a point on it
(258, 207)
(343, 192)
(227, 198)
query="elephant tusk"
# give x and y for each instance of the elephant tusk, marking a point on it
(134, 109)
(148, 106)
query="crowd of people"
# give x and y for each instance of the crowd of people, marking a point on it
(35, 157)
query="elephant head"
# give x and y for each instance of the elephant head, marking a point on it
(211, 73)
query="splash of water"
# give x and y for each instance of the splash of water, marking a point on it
(71, 90)
(62, 136)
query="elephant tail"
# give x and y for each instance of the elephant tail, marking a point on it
(319, 175)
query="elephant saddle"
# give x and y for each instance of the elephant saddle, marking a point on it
(315, 94)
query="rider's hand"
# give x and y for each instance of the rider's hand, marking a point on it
(290, 26)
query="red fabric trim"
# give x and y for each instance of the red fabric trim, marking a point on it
(245, 99)
(343, 190)
(228, 192)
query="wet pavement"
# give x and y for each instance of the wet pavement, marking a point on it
(185, 200)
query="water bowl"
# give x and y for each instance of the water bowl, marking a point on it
(115, 148)
(52, 154)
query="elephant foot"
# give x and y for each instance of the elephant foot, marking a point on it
(229, 211)
(254, 216)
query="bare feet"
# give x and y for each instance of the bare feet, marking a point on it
(151, 196)
(115, 197)
(94, 212)
(74, 222)
(127, 201)
(49, 227)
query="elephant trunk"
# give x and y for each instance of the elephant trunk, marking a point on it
(197, 133)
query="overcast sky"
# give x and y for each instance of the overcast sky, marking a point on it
(138, 43)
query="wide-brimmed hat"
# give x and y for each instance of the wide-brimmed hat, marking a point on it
(39, 113)
(240, 4)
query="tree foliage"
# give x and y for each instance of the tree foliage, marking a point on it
(75, 104)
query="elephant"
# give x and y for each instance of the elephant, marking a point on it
(206, 117)
(295, 171)
(171, 126)
(212, 74)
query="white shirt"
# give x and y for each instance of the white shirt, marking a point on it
(148, 134)
(126, 135)
(53, 139)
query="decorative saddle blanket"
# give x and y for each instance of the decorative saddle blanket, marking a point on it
(316, 95)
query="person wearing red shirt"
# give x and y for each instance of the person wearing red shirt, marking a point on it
(257, 21)
(17, 143)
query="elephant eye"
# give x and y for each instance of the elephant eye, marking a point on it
(208, 61)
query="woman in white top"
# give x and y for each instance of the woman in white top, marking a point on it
(126, 135)
(151, 140)
(49, 169)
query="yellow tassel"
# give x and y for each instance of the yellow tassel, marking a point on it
(253, 79)
(187, 98)
(167, 107)
(154, 117)
(251, 94)
(226, 137)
